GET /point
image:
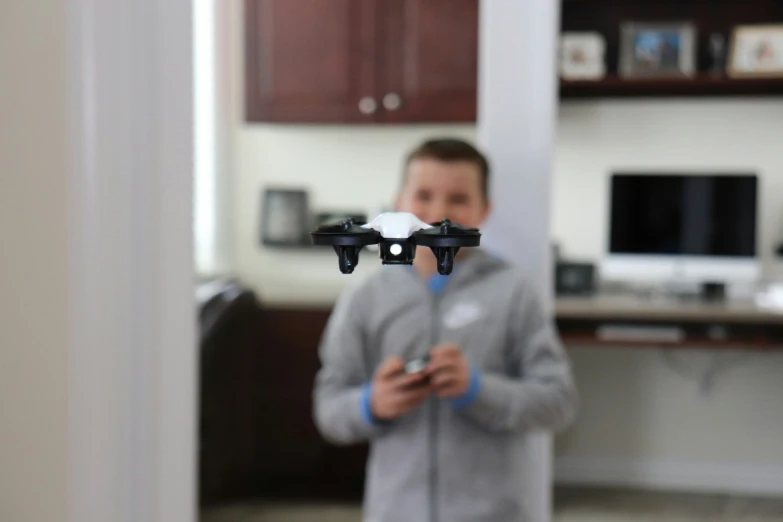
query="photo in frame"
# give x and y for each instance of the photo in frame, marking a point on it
(582, 56)
(285, 217)
(663, 50)
(756, 52)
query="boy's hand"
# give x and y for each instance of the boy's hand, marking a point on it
(449, 371)
(394, 392)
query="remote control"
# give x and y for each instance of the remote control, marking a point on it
(417, 365)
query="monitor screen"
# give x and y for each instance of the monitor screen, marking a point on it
(693, 215)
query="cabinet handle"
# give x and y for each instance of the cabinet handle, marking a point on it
(367, 105)
(392, 101)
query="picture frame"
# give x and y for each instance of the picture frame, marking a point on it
(285, 217)
(658, 50)
(756, 51)
(582, 56)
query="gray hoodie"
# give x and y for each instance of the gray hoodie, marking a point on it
(449, 460)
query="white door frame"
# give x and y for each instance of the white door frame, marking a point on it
(517, 118)
(132, 346)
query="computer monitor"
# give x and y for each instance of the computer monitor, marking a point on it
(682, 228)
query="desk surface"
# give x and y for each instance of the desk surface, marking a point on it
(629, 320)
(629, 307)
(623, 320)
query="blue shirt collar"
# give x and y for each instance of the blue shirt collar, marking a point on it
(437, 282)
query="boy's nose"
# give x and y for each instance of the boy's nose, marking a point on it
(438, 211)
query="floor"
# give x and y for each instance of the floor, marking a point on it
(571, 505)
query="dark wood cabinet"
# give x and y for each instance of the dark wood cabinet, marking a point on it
(309, 60)
(361, 61)
(429, 60)
(296, 461)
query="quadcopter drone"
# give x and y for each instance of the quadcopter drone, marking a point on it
(398, 233)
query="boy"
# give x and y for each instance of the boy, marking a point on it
(446, 443)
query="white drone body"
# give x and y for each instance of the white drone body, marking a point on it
(397, 225)
(398, 234)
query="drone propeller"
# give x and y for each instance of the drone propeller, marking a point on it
(346, 233)
(348, 239)
(445, 239)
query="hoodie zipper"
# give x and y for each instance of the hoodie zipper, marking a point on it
(434, 421)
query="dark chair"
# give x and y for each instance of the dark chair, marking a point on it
(230, 416)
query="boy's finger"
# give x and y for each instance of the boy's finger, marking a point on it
(448, 391)
(442, 364)
(414, 392)
(390, 367)
(444, 379)
(413, 396)
(445, 350)
(444, 359)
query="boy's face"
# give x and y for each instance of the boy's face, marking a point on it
(436, 189)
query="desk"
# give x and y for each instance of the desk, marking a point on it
(629, 320)
(297, 462)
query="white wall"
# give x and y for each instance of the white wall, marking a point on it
(642, 423)
(646, 421)
(213, 36)
(355, 168)
(33, 255)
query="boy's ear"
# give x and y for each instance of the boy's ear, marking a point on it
(487, 211)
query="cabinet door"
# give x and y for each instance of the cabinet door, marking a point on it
(429, 60)
(310, 60)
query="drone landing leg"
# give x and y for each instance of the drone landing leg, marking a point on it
(445, 257)
(348, 257)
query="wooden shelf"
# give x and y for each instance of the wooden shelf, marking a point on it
(709, 17)
(700, 86)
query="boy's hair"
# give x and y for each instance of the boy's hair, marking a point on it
(451, 149)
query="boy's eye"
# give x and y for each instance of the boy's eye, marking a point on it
(423, 195)
(459, 199)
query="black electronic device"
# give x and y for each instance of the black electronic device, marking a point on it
(398, 233)
(417, 365)
(574, 278)
(713, 291)
(707, 215)
(682, 228)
